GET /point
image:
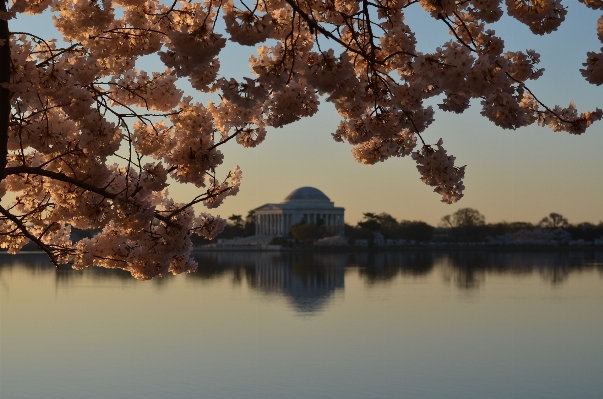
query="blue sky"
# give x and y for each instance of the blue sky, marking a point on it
(511, 175)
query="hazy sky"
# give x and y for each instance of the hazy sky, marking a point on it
(511, 175)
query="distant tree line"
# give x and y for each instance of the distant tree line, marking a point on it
(466, 225)
(469, 225)
(372, 225)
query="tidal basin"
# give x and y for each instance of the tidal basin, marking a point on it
(413, 324)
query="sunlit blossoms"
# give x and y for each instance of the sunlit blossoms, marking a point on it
(593, 67)
(437, 169)
(91, 140)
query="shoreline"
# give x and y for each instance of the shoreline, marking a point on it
(407, 248)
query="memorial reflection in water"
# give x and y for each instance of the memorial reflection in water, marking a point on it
(306, 280)
(273, 272)
(309, 279)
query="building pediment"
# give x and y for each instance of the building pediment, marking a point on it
(269, 207)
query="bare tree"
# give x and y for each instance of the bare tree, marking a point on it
(464, 217)
(553, 221)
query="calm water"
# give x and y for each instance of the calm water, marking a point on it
(266, 325)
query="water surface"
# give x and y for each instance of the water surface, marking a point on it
(461, 324)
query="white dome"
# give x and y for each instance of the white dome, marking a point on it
(307, 194)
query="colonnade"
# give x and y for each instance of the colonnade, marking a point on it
(273, 224)
(281, 223)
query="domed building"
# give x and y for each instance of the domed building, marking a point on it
(304, 205)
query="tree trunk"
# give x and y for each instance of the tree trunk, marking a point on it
(4, 92)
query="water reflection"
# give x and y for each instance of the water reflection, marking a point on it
(378, 267)
(468, 269)
(309, 280)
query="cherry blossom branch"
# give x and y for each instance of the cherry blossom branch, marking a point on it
(125, 28)
(57, 54)
(197, 199)
(522, 84)
(15, 170)
(466, 29)
(225, 140)
(32, 237)
(76, 182)
(69, 151)
(38, 38)
(442, 17)
(71, 144)
(81, 184)
(315, 25)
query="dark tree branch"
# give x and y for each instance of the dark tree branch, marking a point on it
(54, 56)
(15, 170)
(27, 234)
(89, 187)
(312, 24)
(237, 131)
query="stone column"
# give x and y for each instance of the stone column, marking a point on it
(285, 223)
(282, 217)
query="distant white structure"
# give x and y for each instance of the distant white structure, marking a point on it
(304, 205)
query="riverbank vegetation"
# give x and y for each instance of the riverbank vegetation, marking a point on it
(466, 225)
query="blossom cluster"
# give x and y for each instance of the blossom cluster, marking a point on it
(94, 140)
(437, 169)
(593, 71)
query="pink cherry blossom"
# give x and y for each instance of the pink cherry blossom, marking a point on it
(91, 140)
